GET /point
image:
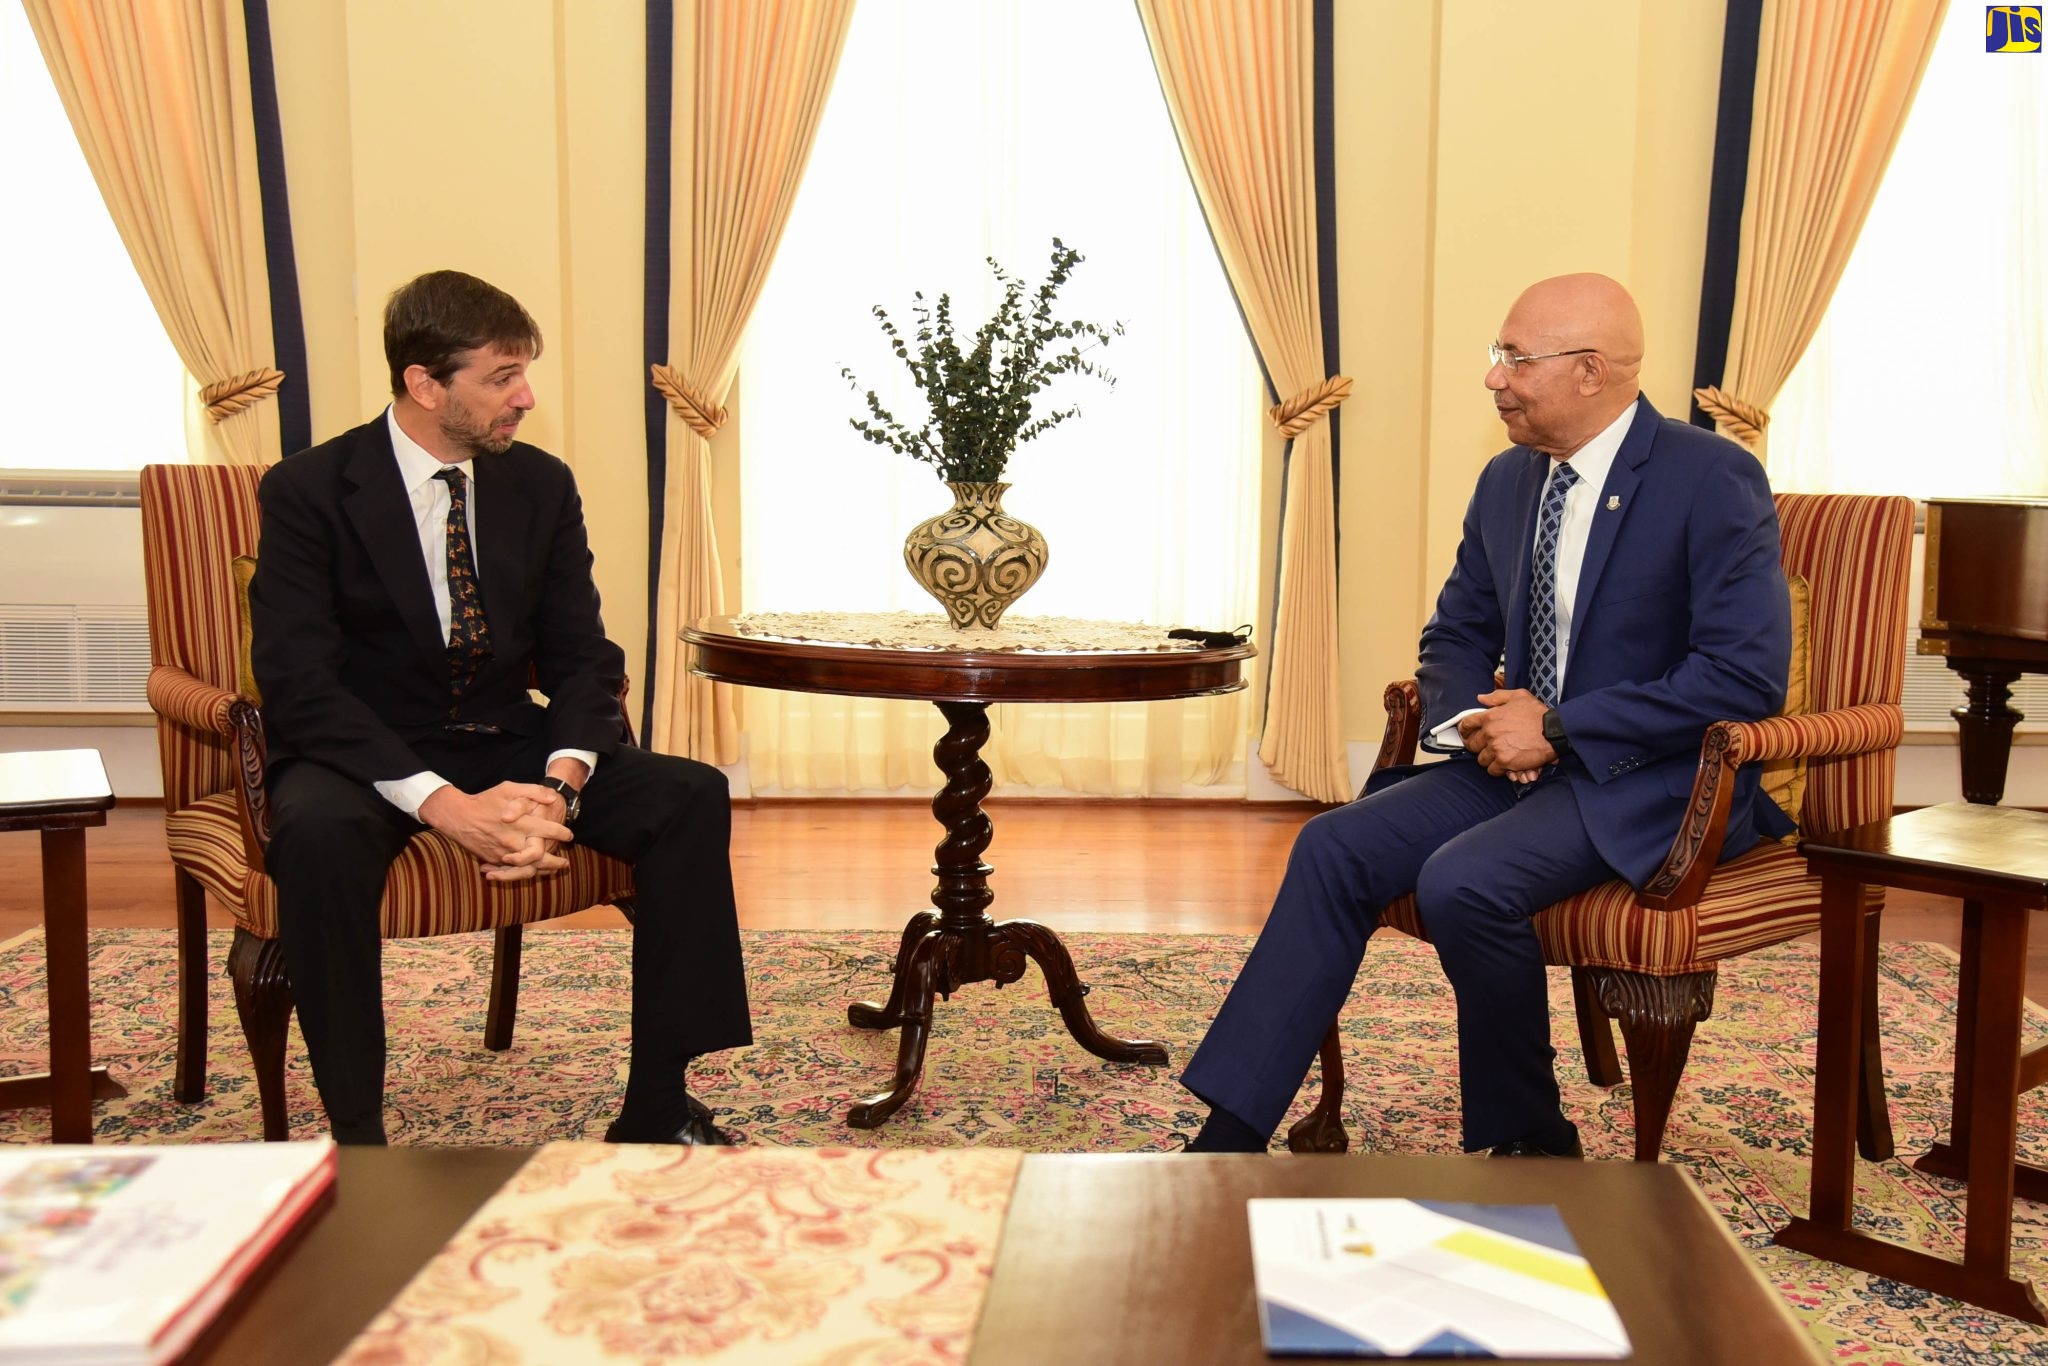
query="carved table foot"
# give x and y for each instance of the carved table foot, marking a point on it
(868, 1015)
(917, 980)
(1043, 947)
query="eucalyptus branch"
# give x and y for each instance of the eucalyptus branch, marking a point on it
(979, 402)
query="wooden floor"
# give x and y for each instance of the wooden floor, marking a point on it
(1113, 866)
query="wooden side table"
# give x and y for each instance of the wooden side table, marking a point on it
(1996, 859)
(61, 792)
(958, 942)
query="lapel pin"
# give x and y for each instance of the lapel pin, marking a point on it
(1613, 502)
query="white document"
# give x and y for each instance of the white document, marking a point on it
(1445, 738)
(1422, 1278)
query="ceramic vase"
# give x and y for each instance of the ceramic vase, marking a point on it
(975, 559)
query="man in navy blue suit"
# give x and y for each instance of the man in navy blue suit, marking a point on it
(1621, 570)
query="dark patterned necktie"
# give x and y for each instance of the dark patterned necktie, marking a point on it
(469, 635)
(1543, 679)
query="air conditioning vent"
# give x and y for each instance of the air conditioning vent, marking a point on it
(94, 657)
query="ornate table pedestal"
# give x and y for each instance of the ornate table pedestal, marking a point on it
(958, 943)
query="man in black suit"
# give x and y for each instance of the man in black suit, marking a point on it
(415, 576)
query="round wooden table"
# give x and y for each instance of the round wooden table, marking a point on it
(958, 943)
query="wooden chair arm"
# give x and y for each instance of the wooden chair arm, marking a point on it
(1403, 701)
(252, 797)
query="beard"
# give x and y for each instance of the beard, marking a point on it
(476, 435)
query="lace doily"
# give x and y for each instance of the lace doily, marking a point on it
(930, 631)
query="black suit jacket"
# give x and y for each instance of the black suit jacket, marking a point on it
(348, 648)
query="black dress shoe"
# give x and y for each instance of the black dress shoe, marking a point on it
(697, 1132)
(1523, 1147)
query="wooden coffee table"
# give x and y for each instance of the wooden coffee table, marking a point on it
(958, 944)
(1149, 1258)
(61, 793)
(1118, 1258)
(1995, 859)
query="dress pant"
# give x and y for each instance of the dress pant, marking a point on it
(1482, 855)
(332, 843)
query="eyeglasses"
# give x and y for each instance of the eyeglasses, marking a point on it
(1510, 361)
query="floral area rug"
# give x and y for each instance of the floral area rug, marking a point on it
(1001, 1071)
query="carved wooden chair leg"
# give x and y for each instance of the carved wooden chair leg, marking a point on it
(1596, 1033)
(1873, 1113)
(263, 998)
(503, 1009)
(189, 1075)
(1657, 1016)
(1321, 1130)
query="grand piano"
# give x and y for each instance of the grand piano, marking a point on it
(1985, 612)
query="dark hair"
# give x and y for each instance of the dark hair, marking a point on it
(432, 320)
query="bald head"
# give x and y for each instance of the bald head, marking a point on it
(1557, 405)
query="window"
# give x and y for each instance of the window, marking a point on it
(95, 381)
(957, 132)
(1929, 374)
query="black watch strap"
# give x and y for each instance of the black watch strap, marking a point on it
(571, 797)
(1553, 732)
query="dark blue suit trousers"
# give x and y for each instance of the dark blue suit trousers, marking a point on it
(1482, 855)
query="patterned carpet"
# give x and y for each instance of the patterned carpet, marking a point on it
(1002, 1071)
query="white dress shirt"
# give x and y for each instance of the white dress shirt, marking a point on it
(1591, 462)
(430, 499)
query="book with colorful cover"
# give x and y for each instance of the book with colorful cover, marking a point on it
(122, 1255)
(1426, 1278)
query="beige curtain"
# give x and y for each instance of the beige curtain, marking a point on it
(1239, 81)
(159, 96)
(1833, 85)
(761, 71)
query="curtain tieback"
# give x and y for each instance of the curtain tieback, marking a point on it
(1307, 408)
(1744, 421)
(704, 418)
(224, 398)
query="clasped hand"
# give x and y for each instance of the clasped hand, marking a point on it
(512, 828)
(1508, 735)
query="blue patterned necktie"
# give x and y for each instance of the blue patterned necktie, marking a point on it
(469, 635)
(1543, 679)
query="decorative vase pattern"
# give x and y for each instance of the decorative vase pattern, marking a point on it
(974, 558)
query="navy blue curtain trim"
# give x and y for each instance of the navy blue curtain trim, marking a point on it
(1724, 207)
(654, 317)
(1326, 229)
(287, 321)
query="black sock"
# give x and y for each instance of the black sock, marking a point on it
(1224, 1132)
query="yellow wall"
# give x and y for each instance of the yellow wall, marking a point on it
(1481, 144)
(508, 141)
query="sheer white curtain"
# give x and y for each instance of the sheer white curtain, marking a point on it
(958, 132)
(1929, 375)
(80, 325)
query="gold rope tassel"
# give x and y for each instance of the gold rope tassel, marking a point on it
(1307, 408)
(703, 418)
(1743, 421)
(225, 398)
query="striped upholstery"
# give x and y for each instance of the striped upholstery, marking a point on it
(1854, 552)
(434, 887)
(195, 520)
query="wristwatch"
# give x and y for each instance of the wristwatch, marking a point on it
(571, 795)
(1553, 732)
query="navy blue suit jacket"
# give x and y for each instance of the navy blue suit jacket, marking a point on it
(1681, 619)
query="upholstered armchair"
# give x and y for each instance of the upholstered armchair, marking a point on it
(196, 520)
(1649, 959)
